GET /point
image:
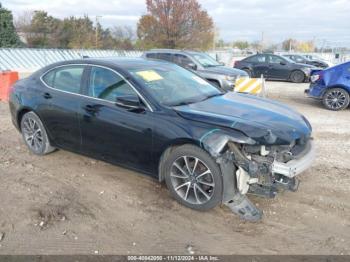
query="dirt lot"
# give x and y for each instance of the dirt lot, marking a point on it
(68, 204)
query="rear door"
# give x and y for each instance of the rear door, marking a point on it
(63, 94)
(259, 65)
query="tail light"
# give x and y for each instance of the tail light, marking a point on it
(316, 77)
(236, 63)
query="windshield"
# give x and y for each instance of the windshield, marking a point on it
(172, 85)
(205, 60)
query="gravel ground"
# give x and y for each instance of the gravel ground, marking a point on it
(64, 203)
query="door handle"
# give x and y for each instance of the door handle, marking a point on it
(47, 96)
(90, 109)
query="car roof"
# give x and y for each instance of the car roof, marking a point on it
(125, 62)
(111, 62)
(172, 51)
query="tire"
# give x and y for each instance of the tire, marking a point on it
(336, 99)
(297, 76)
(200, 185)
(34, 134)
(248, 71)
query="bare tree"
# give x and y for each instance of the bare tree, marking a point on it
(175, 24)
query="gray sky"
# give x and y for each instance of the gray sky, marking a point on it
(236, 19)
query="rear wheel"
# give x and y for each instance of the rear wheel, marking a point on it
(248, 72)
(336, 99)
(193, 177)
(34, 134)
(297, 76)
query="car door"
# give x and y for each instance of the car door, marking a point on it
(113, 132)
(277, 67)
(259, 65)
(63, 93)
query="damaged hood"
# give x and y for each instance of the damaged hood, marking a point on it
(265, 121)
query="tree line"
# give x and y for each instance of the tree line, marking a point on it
(167, 24)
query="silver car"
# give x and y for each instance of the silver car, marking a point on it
(202, 64)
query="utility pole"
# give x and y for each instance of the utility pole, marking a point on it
(96, 36)
(262, 41)
(290, 45)
(216, 35)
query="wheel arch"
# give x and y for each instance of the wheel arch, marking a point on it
(169, 148)
(347, 89)
(296, 70)
(20, 115)
(250, 70)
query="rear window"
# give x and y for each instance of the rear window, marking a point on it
(162, 56)
(256, 59)
(165, 56)
(67, 78)
(152, 55)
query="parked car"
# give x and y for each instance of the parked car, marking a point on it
(318, 58)
(331, 86)
(304, 60)
(201, 63)
(155, 117)
(274, 67)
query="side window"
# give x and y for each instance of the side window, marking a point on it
(299, 59)
(182, 60)
(107, 85)
(276, 59)
(256, 59)
(165, 56)
(152, 55)
(67, 78)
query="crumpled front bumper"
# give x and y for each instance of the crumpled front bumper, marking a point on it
(296, 166)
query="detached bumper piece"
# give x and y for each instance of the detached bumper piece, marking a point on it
(298, 165)
(244, 208)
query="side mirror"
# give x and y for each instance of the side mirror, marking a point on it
(192, 66)
(283, 63)
(128, 101)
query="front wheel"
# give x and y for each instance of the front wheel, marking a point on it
(297, 77)
(34, 134)
(336, 99)
(193, 177)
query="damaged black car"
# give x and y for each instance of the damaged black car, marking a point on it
(210, 147)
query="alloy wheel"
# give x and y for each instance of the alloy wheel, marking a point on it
(335, 99)
(33, 134)
(192, 180)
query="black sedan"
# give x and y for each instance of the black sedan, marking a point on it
(210, 147)
(304, 60)
(275, 67)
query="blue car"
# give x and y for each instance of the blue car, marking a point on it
(332, 86)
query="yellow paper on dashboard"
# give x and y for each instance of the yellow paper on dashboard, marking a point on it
(149, 75)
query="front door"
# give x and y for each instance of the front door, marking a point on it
(113, 132)
(278, 67)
